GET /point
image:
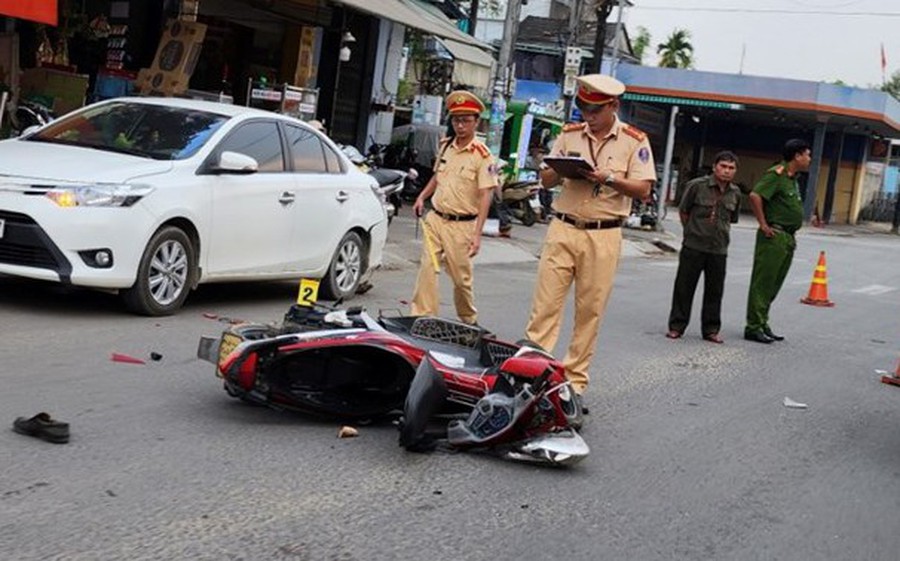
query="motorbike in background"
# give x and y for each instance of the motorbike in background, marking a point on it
(390, 181)
(25, 115)
(521, 200)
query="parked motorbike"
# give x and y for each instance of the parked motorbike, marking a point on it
(509, 399)
(521, 199)
(390, 181)
(26, 114)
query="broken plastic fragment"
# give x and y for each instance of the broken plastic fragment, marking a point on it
(788, 402)
(117, 357)
(347, 432)
(155, 356)
(209, 315)
(881, 372)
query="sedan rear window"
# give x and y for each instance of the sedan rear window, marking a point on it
(149, 131)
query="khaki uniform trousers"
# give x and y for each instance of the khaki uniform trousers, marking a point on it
(450, 243)
(589, 258)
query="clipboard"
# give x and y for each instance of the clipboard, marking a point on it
(569, 167)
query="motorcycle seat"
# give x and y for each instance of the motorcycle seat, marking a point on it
(386, 176)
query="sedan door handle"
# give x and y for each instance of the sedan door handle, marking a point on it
(342, 196)
(286, 198)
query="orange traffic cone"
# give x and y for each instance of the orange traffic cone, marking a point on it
(818, 290)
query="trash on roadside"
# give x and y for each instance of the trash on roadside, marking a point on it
(155, 356)
(880, 372)
(209, 315)
(347, 432)
(118, 357)
(790, 403)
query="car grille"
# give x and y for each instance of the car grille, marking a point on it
(25, 243)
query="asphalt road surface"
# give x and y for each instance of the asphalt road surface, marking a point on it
(694, 455)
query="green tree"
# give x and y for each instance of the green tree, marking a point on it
(641, 42)
(677, 51)
(892, 86)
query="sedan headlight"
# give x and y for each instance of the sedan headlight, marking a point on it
(99, 195)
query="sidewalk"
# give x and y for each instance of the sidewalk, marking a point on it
(404, 245)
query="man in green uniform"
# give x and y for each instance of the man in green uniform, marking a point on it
(776, 203)
(709, 205)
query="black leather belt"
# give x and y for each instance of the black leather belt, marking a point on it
(455, 217)
(784, 229)
(588, 224)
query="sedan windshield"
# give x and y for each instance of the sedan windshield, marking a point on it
(139, 129)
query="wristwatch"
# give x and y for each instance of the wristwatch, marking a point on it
(610, 179)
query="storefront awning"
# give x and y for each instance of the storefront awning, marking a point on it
(43, 11)
(413, 14)
(471, 66)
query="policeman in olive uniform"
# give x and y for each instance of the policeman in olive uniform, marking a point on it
(776, 203)
(462, 187)
(584, 238)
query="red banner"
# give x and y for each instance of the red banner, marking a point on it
(43, 11)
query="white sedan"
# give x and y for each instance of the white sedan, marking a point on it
(152, 196)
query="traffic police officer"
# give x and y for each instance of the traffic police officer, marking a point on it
(778, 208)
(584, 239)
(462, 187)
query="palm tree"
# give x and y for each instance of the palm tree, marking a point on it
(677, 51)
(641, 42)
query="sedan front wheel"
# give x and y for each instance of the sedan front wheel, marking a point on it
(165, 276)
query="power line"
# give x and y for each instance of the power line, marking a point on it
(766, 11)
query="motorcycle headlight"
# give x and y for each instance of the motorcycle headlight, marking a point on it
(99, 195)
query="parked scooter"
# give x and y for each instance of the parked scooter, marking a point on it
(26, 114)
(521, 199)
(390, 181)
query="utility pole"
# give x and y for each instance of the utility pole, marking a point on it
(615, 55)
(603, 9)
(501, 80)
(473, 16)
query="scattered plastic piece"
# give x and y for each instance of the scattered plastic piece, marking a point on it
(117, 357)
(155, 356)
(209, 315)
(347, 432)
(881, 372)
(788, 402)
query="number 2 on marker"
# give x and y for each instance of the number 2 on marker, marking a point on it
(309, 292)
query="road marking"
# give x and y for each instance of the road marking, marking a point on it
(874, 290)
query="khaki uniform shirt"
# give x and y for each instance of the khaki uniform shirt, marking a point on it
(462, 175)
(624, 150)
(711, 212)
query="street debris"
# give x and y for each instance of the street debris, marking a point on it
(155, 356)
(347, 432)
(791, 404)
(127, 359)
(880, 372)
(209, 315)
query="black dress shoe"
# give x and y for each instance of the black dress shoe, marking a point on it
(772, 336)
(757, 336)
(42, 426)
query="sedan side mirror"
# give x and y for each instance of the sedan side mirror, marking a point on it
(235, 163)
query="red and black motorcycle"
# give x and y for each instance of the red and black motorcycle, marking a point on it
(488, 394)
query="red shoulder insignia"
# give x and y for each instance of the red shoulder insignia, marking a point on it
(482, 150)
(635, 133)
(569, 127)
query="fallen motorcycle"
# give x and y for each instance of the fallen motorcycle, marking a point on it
(504, 398)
